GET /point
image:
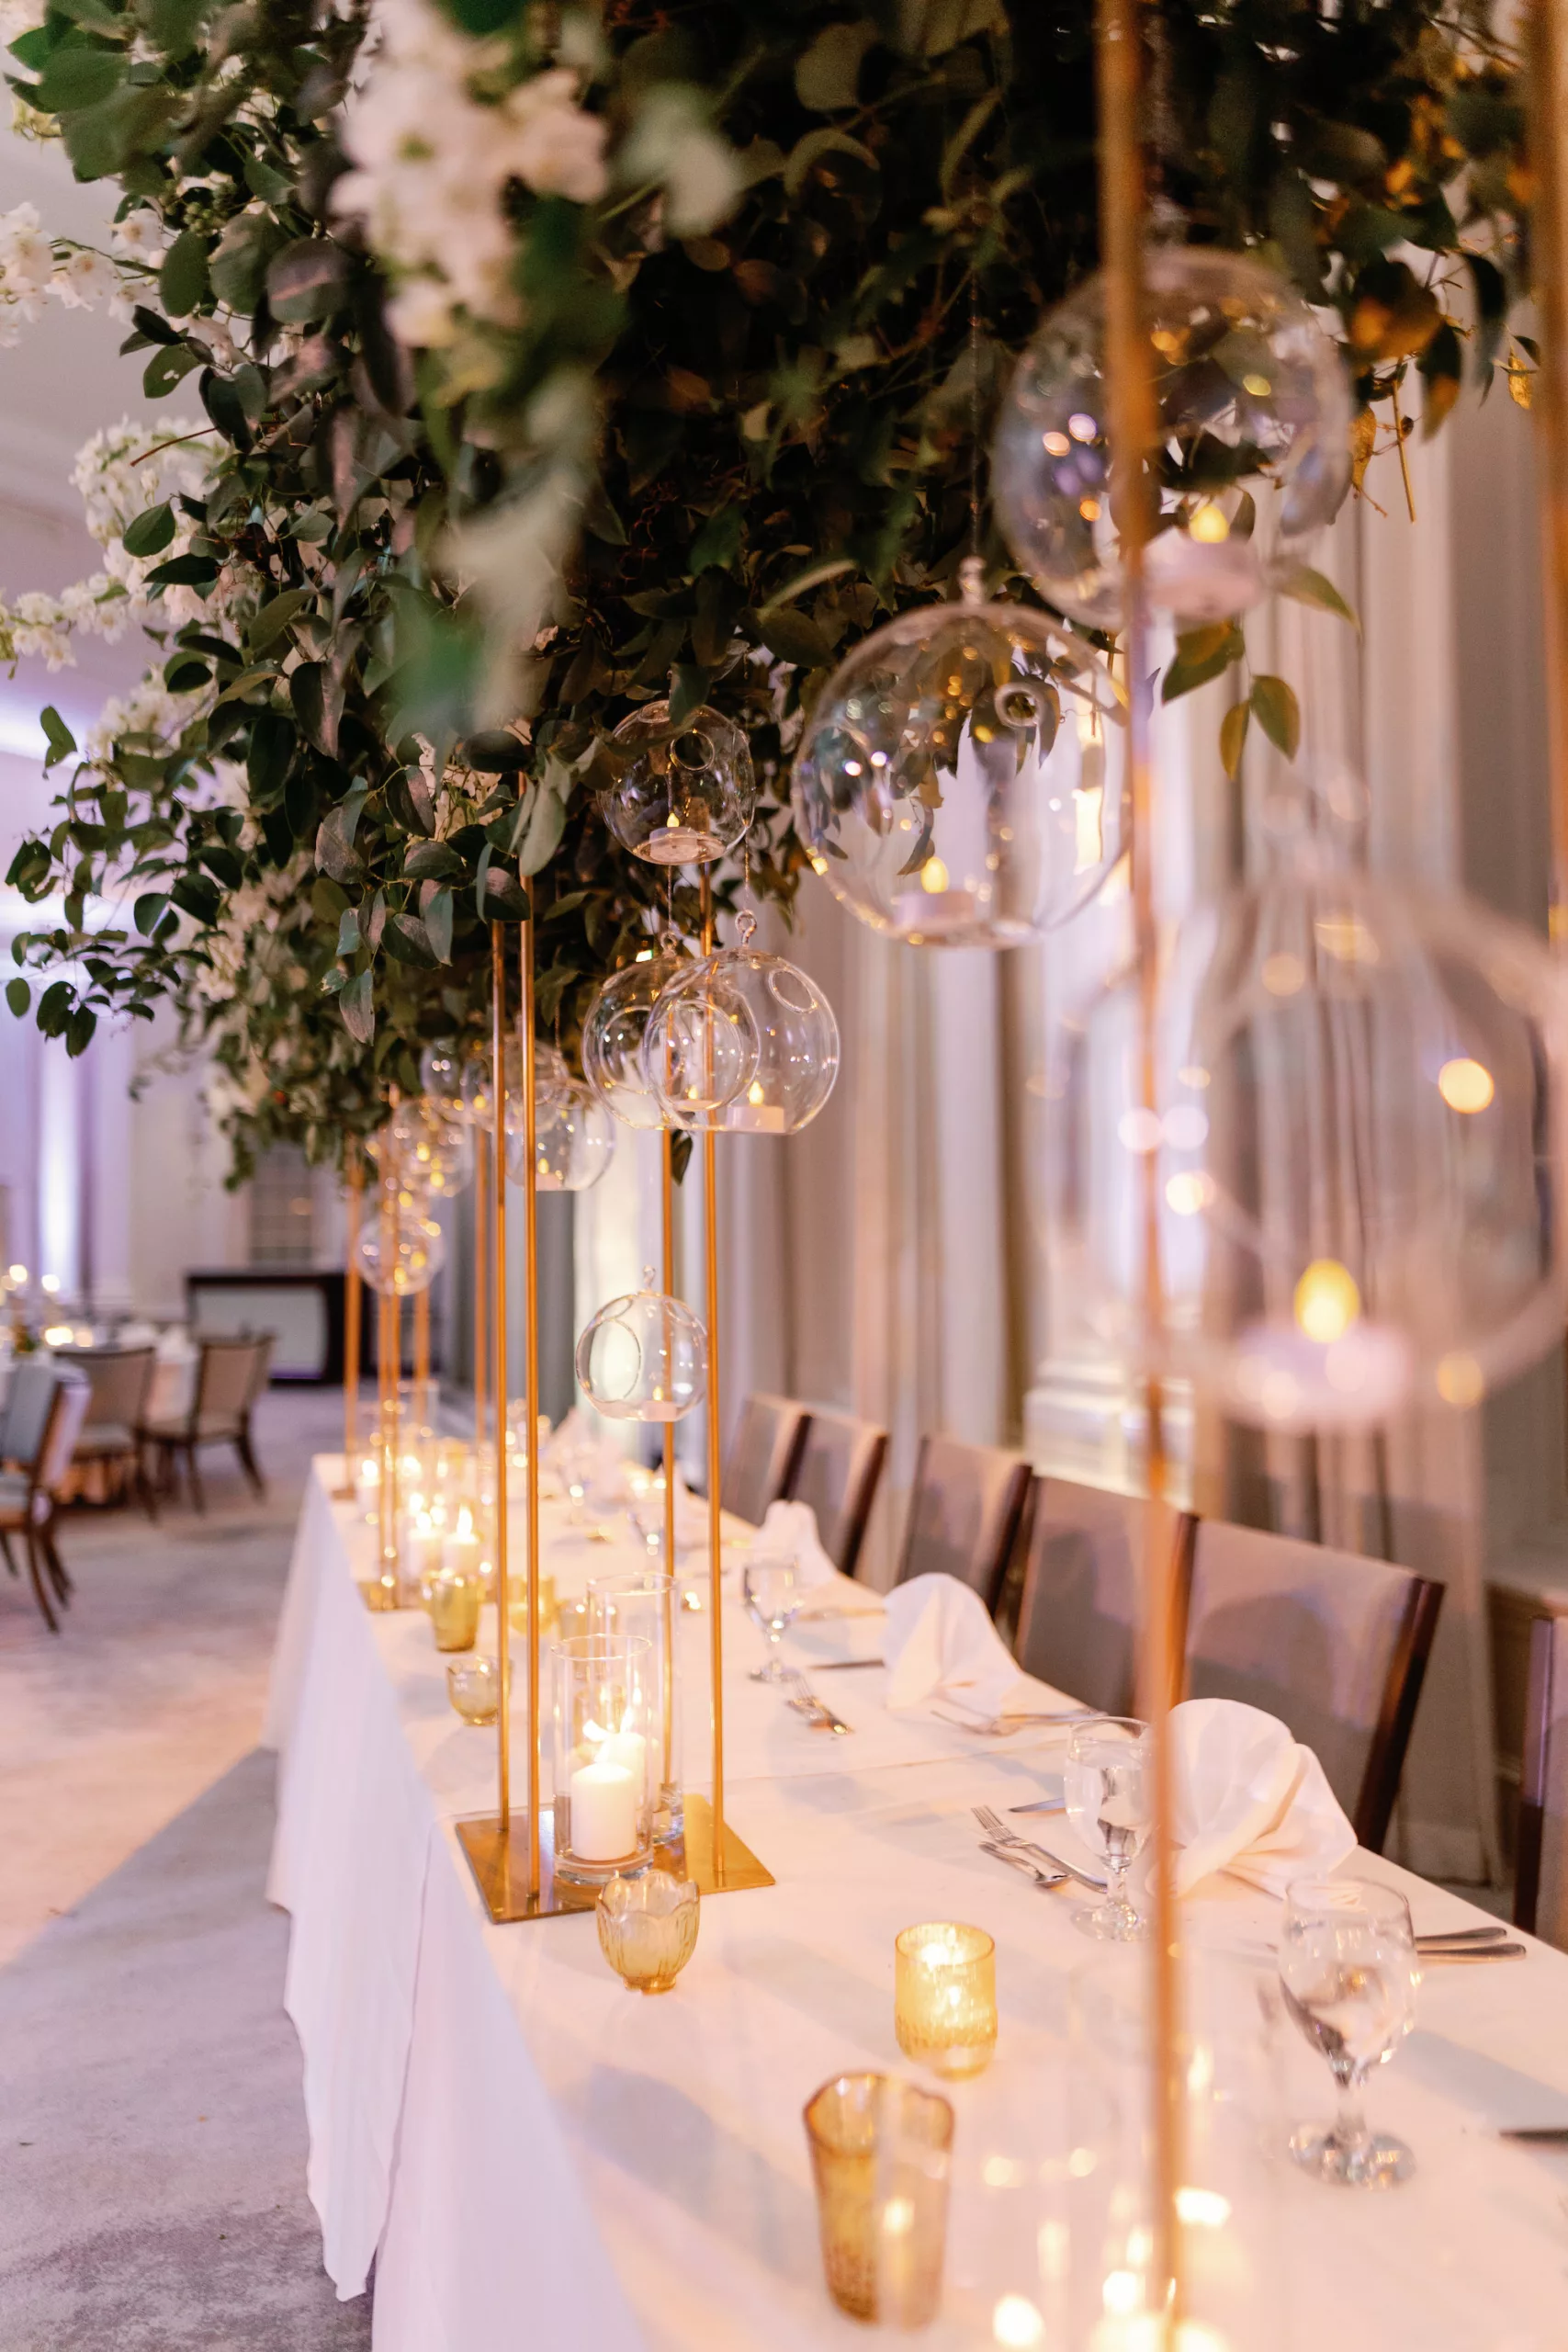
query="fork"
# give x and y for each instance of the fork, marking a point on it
(805, 1702)
(1021, 1861)
(996, 1827)
(1004, 1726)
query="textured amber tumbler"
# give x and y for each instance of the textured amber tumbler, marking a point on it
(944, 1997)
(455, 1598)
(879, 2155)
(648, 1929)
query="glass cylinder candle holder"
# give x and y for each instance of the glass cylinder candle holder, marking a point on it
(643, 1604)
(550, 1605)
(944, 1997)
(473, 1685)
(455, 1598)
(880, 2153)
(648, 1929)
(606, 1754)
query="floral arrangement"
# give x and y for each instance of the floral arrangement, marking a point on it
(553, 361)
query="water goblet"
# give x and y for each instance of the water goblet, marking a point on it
(1109, 1802)
(1349, 1974)
(772, 1591)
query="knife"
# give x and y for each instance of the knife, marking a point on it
(1544, 2135)
(842, 1665)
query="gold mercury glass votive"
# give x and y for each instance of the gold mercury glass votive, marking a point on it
(944, 1997)
(455, 1600)
(648, 1927)
(880, 2149)
(473, 1685)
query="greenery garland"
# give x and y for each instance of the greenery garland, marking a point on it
(552, 363)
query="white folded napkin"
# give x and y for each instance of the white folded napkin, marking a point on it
(1249, 1799)
(789, 1533)
(940, 1643)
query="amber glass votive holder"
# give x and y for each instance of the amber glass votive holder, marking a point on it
(648, 1927)
(473, 1685)
(454, 1599)
(944, 1997)
(880, 2151)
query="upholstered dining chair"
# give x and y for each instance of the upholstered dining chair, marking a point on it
(45, 1409)
(120, 1384)
(965, 1508)
(762, 1456)
(837, 1471)
(1079, 1608)
(1540, 1884)
(1333, 1645)
(230, 1373)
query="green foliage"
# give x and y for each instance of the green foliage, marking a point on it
(753, 441)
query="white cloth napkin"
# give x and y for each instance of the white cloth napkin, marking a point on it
(940, 1643)
(789, 1533)
(1250, 1800)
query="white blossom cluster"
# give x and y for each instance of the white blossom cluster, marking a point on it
(34, 268)
(434, 163)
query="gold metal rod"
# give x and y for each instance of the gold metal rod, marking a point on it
(394, 1440)
(481, 1283)
(353, 1311)
(498, 1193)
(383, 1486)
(421, 1361)
(667, 1206)
(715, 1589)
(1132, 420)
(1547, 84)
(531, 1392)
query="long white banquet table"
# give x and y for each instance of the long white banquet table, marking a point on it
(530, 2156)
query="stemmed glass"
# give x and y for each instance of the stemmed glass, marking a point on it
(1349, 1974)
(772, 1593)
(1106, 1784)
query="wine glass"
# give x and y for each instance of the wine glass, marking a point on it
(772, 1593)
(1106, 1784)
(1349, 1974)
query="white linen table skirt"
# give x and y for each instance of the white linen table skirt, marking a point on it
(535, 2157)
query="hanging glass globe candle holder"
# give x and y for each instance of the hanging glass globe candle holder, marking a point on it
(551, 1077)
(574, 1137)
(434, 1145)
(643, 1357)
(1356, 1148)
(684, 790)
(406, 1265)
(614, 1030)
(1252, 453)
(441, 1075)
(962, 781)
(743, 1041)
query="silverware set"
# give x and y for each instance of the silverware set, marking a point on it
(805, 1702)
(999, 1837)
(1471, 1943)
(1004, 1726)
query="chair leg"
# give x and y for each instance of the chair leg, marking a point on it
(194, 1475)
(10, 1555)
(142, 1482)
(247, 1455)
(40, 1594)
(57, 1568)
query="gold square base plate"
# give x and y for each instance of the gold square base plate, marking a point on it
(501, 1865)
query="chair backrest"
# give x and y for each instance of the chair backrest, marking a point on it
(1333, 1645)
(28, 1408)
(261, 1365)
(763, 1456)
(965, 1508)
(1083, 1579)
(224, 1370)
(118, 1380)
(68, 1410)
(835, 1472)
(1540, 1885)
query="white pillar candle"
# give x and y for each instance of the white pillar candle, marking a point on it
(629, 1750)
(460, 1550)
(603, 1812)
(932, 913)
(420, 1548)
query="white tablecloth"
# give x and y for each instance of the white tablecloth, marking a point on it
(537, 2157)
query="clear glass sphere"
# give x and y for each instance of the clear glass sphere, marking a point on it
(683, 793)
(551, 1078)
(742, 1041)
(574, 1138)
(1355, 1147)
(643, 1357)
(441, 1075)
(409, 1264)
(1253, 435)
(962, 780)
(434, 1145)
(614, 1030)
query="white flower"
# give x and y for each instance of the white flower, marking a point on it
(671, 142)
(559, 150)
(140, 234)
(421, 313)
(86, 279)
(28, 262)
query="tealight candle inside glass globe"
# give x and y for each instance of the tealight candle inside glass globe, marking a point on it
(614, 1031)
(574, 1138)
(685, 789)
(407, 1264)
(1253, 443)
(1355, 1147)
(643, 1357)
(743, 1041)
(963, 781)
(433, 1143)
(441, 1075)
